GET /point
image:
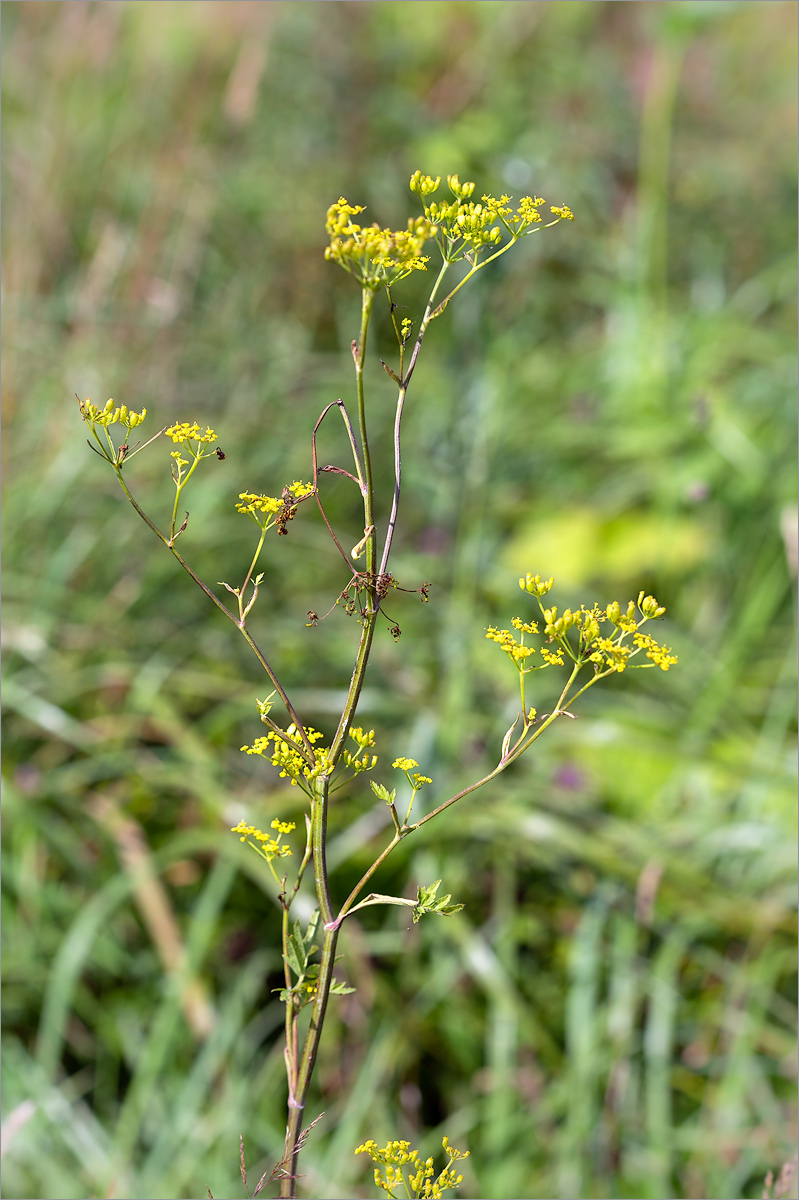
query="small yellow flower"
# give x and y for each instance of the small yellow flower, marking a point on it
(661, 656)
(507, 642)
(610, 654)
(404, 764)
(267, 846)
(552, 659)
(183, 432)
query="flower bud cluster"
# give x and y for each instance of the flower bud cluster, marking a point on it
(649, 606)
(535, 585)
(110, 413)
(363, 740)
(424, 185)
(625, 620)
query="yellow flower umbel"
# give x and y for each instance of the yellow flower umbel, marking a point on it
(197, 445)
(420, 1182)
(606, 639)
(364, 741)
(184, 434)
(267, 511)
(110, 414)
(416, 780)
(102, 418)
(464, 228)
(265, 844)
(286, 755)
(375, 257)
(286, 752)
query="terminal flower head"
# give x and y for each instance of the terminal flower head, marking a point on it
(375, 257)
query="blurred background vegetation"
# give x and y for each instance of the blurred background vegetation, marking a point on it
(613, 1015)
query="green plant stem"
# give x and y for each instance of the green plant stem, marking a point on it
(403, 391)
(316, 471)
(291, 1050)
(307, 1063)
(321, 785)
(300, 1070)
(515, 237)
(561, 707)
(369, 616)
(248, 576)
(179, 486)
(356, 891)
(367, 302)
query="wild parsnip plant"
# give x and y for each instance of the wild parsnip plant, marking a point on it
(586, 645)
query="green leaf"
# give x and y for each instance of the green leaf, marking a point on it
(340, 989)
(291, 958)
(382, 792)
(427, 902)
(310, 932)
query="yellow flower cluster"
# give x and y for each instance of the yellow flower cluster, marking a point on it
(291, 762)
(375, 257)
(585, 619)
(552, 659)
(184, 433)
(507, 642)
(535, 585)
(464, 224)
(267, 511)
(254, 502)
(661, 655)
(110, 414)
(607, 653)
(415, 780)
(404, 764)
(461, 227)
(364, 741)
(610, 654)
(268, 847)
(395, 1155)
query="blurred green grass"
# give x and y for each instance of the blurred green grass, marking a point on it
(614, 1013)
